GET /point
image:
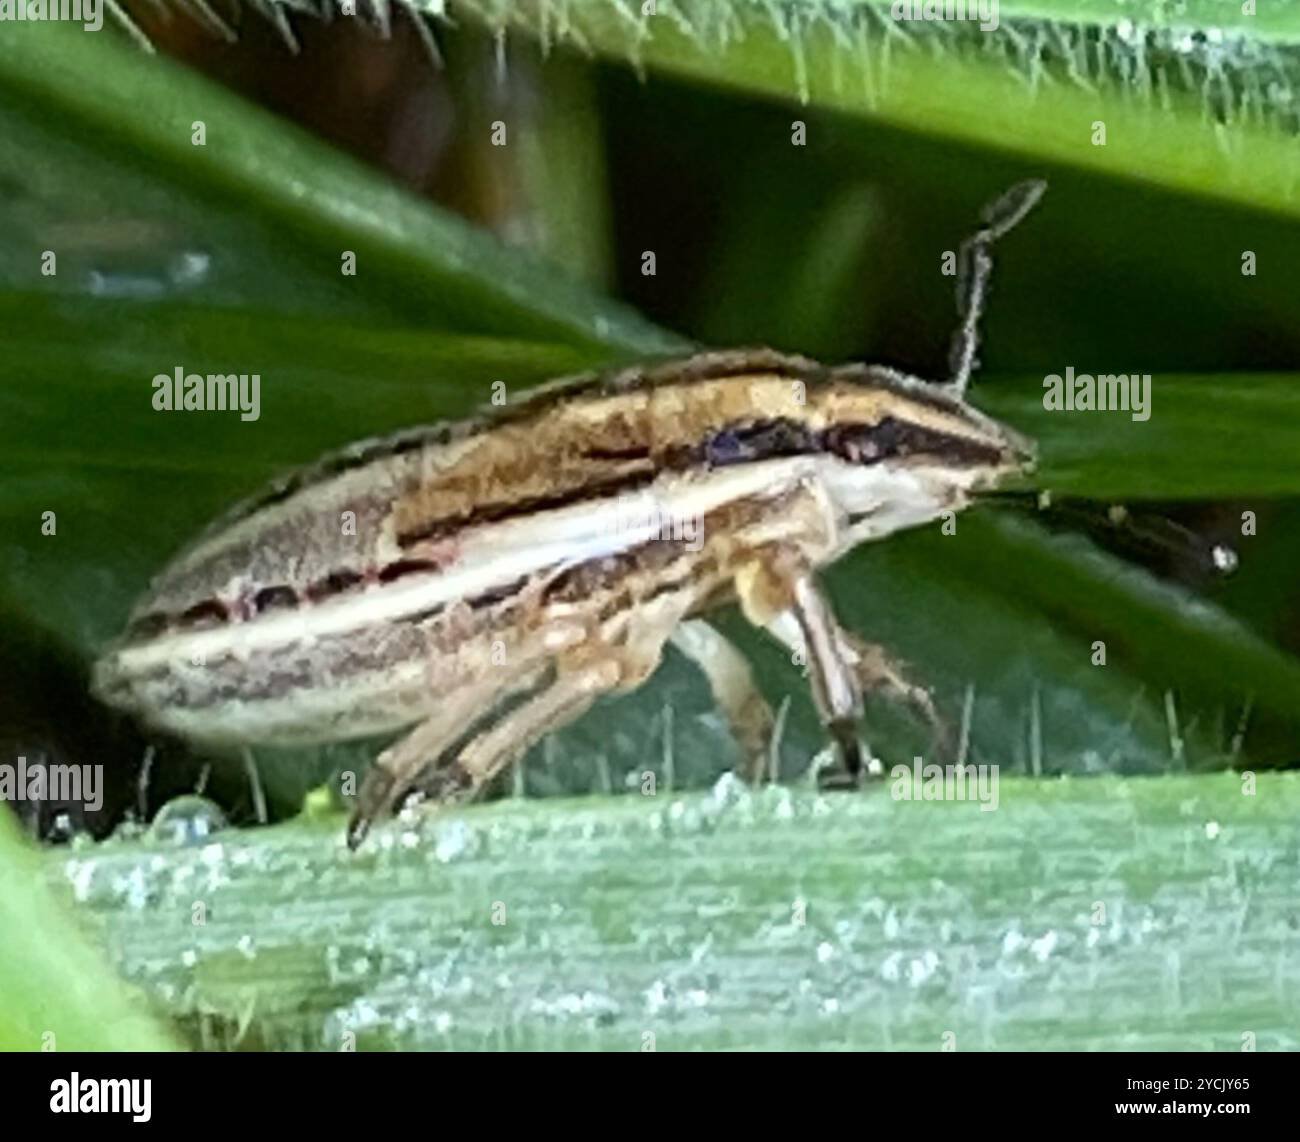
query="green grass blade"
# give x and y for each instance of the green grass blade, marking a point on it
(1075, 916)
(1198, 100)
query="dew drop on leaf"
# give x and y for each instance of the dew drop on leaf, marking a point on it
(188, 820)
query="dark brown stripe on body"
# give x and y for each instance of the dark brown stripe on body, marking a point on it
(744, 443)
(741, 443)
(544, 453)
(690, 370)
(451, 643)
(537, 403)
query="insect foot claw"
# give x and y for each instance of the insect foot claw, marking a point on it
(372, 800)
(358, 829)
(840, 766)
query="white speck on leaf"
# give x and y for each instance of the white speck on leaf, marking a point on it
(727, 790)
(1042, 947)
(922, 969)
(453, 840)
(80, 874)
(655, 997)
(890, 968)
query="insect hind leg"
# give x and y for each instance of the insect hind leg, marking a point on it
(732, 682)
(400, 765)
(493, 751)
(576, 683)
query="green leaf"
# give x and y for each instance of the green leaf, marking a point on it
(1204, 437)
(56, 991)
(1196, 99)
(677, 915)
(260, 213)
(1015, 614)
(1074, 916)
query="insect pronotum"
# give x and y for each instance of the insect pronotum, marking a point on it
(520, 558)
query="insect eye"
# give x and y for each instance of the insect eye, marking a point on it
(871, 443)
(725, 447)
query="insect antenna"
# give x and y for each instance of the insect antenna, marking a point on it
(1149, 536)
(974, 264)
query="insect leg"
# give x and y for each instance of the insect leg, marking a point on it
(732, 682)
(782, 582)
(877, 671)
(398, 766)
(582, 674)
(835, 685)
(494, 750)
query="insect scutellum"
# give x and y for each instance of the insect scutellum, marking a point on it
(492, 567)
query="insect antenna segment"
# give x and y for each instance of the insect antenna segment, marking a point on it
(974, 265)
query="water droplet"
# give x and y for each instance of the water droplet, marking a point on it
(889, 970)
(188, 820)
(727, 790)
(1225, 559)
(81, 875)
(922, 969)
(188, 268)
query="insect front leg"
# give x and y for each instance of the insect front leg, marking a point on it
(877, 671)
(781, 582)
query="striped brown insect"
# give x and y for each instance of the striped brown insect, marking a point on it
(522, 558)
